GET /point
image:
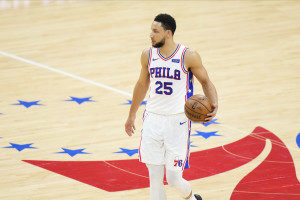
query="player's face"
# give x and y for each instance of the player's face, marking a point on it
(158, 35)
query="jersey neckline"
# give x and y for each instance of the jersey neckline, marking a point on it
(171, 56)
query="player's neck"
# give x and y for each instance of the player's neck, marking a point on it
(168, 49)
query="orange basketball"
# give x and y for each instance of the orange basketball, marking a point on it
(197, 107)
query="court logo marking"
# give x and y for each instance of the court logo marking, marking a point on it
(28, 104)
(20, 147)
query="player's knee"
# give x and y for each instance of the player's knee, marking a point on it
(174, 178)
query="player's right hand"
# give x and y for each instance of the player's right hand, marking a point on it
(129, 126)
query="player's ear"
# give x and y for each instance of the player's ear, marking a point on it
(169, 33)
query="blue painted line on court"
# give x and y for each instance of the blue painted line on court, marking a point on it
(298, 140)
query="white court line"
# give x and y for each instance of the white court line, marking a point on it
(65, 73)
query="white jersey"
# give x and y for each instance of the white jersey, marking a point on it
(171, 84)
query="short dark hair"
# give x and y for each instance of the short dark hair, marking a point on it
(167, 22)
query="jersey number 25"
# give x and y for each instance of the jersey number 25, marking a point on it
(164, 88)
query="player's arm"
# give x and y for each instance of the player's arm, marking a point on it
(194, 63)
(139, 93)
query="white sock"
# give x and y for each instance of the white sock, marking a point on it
(192, 197)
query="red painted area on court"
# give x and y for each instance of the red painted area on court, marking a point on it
(274, 178)
(217, 160)
(119, 175)
(100, 174)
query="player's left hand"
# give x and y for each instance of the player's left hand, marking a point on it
(211, 115)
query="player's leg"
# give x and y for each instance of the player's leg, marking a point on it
(156, 176)
(177, 155)
(152, 154)
(174, 178)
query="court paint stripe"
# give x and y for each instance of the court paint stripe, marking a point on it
(266, 193)
(66, 73)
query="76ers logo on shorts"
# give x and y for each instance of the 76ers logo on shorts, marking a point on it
(178, 162)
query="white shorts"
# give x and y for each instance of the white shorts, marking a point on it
(165, 140)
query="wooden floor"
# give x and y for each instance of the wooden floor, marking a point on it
(51, 51)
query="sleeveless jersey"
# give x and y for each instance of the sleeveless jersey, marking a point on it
(171, 84)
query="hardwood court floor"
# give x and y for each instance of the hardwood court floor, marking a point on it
(51, 51)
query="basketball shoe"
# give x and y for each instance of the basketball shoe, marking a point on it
(198, 197)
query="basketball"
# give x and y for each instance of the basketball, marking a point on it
(197, 107)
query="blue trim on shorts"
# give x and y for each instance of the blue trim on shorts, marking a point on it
(187, 164)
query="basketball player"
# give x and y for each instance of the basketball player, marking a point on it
(168, 68)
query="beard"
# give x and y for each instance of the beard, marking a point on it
(160, 43)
